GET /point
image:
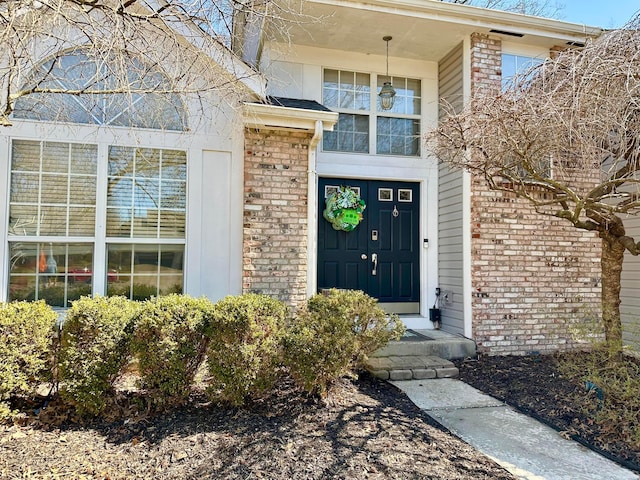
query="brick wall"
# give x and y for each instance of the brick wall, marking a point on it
(532, 275)
(275, 214)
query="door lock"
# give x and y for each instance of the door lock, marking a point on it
(374, 259)
(363, 256)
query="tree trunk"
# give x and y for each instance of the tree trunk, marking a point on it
(611, 263)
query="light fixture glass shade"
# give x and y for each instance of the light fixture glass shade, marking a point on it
(387, 96)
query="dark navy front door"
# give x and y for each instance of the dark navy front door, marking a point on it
(381, 256)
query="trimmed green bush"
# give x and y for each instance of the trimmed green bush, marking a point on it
(94, 348)
(169, 342)
(26, 337)
(244, 347)
(333, 336)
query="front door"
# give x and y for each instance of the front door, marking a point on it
(381, 256)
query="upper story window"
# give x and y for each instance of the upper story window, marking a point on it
(514, 65)
(363, 126)
(141, 101)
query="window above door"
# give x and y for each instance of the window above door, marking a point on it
(363, 127)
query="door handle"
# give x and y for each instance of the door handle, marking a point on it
(363, 256)
(374, 259)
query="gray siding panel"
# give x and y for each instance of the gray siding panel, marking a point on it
(630, 293)
(450, 215)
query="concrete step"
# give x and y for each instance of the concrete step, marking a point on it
(411, 367)
(427, 343)
(420, 355)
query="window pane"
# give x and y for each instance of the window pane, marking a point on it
(24, 187)
(119, 192)
(23, 220)
(82, 221)
(174, 165)
(514, 65)
(155, 184)
(78, 70)
(398, 136)
(352, 132)
(53, 221)
(172, 224)
(54, 189)
(57, 273)
(25, 156)
(142, 271)
(119, 222)
(51, 189)
(121, 161)
(55, 157)
(330, 97)
(408, 92)
(347, 99)
(82, 190)
(84, 159)
(347, 81)
(331, 78)
(173, 194)
(147, 163)
(330, 141)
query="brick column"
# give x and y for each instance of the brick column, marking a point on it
(532, 275)
(275, 214)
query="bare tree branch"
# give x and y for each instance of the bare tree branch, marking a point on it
(564, 136)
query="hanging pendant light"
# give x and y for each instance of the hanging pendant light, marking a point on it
(387, 93)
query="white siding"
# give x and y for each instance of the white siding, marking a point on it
(630, 294)
(450, 210)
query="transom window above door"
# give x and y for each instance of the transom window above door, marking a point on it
(363, 126)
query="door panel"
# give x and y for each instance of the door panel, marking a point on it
(389, 229)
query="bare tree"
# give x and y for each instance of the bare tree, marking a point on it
(539, 8)
(564, 136)
(106, 53)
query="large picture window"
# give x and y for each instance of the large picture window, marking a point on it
(53, 217)
(397, 131)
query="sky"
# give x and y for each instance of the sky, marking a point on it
(599, 13)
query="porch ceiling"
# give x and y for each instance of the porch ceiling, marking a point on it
(421, 29)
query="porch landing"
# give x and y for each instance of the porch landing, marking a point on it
(420, 355)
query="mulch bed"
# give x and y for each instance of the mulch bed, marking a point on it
(367, 429)
(535, 386)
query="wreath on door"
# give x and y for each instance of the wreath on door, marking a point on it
(343, 209)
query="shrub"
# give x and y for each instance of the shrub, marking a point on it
(333, 336)
(94, 348)
(611, 390)
(27, 333)
(372, 327)
(169, 342)
(244, 346)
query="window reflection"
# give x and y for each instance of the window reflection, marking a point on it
(57, 273)
(140, 271)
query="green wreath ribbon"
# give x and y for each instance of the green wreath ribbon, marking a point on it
(343, 209)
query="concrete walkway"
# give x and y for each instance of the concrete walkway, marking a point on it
(525, 447)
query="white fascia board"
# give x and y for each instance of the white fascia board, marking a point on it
(276, 117)
(473, 16)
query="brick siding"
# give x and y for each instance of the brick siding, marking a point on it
(275, 214)
(532, 275)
